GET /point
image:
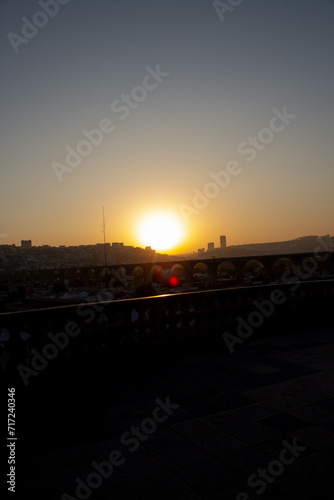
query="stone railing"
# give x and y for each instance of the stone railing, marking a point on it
(99, 333)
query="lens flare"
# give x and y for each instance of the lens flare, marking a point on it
(174, 281)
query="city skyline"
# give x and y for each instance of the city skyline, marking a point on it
(222, 120)
(208, 246)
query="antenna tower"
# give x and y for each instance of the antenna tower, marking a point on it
(104, 239)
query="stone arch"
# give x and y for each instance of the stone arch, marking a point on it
(200, 268)
(138, 273)
(105, 276)
(121, 271)
(226, 270)
(177, 275)
(200, 275)
(281, 266)
(156, 273)
(179, 271)
(254, 268)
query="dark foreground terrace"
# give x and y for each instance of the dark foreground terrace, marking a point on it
(153, 381)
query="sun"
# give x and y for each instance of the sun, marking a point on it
(161, 230)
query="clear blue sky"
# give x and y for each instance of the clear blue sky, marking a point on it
(225, 78)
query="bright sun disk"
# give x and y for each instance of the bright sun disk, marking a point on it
(160, 230)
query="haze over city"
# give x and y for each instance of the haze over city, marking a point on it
(167, 96)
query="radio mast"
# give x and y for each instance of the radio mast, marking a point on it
(104, 238)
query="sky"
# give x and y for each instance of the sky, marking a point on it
(198, 84)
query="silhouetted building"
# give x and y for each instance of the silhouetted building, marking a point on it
(223, 241)
(101, 245)
(26, 243)
(223, 246)
(211, 247)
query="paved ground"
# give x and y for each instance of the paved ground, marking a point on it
(235, 415)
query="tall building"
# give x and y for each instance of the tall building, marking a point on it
(211, 247)
(223, 246)
(25, 243)
(223, 241)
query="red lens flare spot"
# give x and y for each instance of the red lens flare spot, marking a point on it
(173, 281)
